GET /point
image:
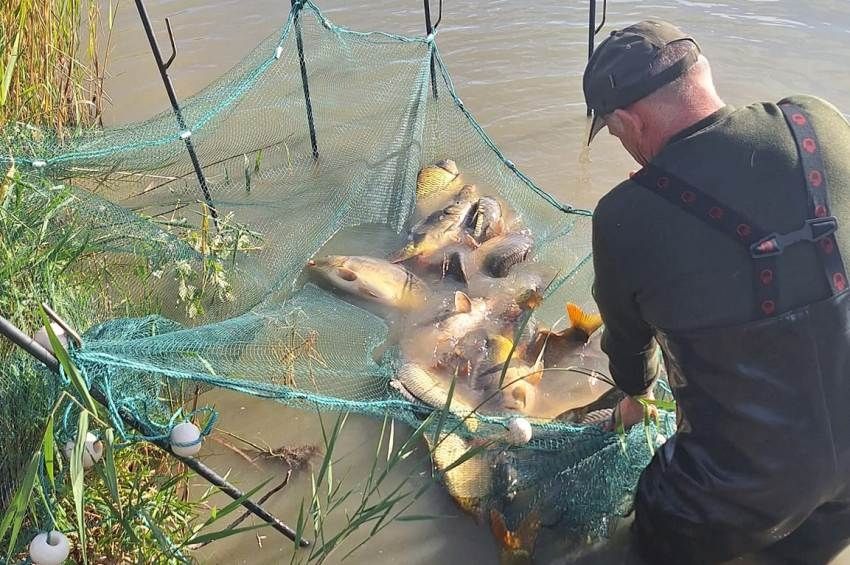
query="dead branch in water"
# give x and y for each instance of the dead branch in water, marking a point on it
(296, 458)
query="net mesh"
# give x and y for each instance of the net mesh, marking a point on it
(234, 306)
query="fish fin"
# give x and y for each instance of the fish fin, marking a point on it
(463, 304)
(501, 348)
(455, 265)
(469, 240)
(346, 274)
(516, 546)
(537, 375)
(500, 529)
(404, 253)
(580, 320)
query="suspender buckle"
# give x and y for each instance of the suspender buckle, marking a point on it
(814, 229)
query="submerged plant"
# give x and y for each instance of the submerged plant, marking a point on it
(218, 242)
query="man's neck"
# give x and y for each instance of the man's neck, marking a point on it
(682, 121)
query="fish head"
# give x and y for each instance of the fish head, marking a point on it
(519, 389)
(448, 165)
(467, 193)
(335, 268)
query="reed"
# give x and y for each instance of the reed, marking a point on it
(53, 56)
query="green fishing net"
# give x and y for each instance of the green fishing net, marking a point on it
(225, 302)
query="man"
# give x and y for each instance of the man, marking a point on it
(723, 251)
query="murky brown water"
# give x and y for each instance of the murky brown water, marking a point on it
(517, 66)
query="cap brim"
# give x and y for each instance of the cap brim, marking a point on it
(596, 124)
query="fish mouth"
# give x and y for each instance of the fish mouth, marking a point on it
(311, 263)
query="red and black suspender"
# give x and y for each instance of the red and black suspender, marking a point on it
(763, 245)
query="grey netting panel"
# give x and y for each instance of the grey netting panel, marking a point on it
(378, 121)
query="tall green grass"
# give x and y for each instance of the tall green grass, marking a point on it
(53, 56)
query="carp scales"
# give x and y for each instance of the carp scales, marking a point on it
(494, 258)
(468, 483)
(372, 279)
(436, 179)
(415, 383)
(440, 229)
(487, 219)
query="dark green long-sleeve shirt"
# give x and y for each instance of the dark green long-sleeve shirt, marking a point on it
(658, 267)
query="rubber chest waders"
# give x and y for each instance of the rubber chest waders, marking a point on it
(763, 433)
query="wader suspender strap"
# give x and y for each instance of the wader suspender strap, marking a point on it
(818, 189)
(762, 245)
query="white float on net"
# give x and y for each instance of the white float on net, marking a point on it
(92, 452)
(519, 431)
(186, 439)
(50, 548)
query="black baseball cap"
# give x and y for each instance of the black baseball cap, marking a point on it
(618, 72)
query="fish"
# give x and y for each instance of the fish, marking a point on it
(469, 483)
(435, 179)
(372, 279)
(515, 546)
(487, 219)
(566, 345)
(468, 314)
(418, 384)
(509, 497)
(495, 257)
(596, 413)
(441, 228)
(516, 392)
(499, 254)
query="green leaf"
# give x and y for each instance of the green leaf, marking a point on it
(9, 69)
(446, 409)
(420, 517)
(236, 503)
(48, 450)
(162, 540)
(61, 354)
(17, 509)
(78, 478)
(109, 471)
(669, 405)
(221, 534)
(646, 430)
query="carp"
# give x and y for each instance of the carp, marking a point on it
(436, 179)
(440, 229)
(417, 384)
(487, 219)
(495, 257)
(597, 413)
(372, 279)
(468, 483)
(566, 345)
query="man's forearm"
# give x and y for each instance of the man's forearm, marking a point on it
(634, 369)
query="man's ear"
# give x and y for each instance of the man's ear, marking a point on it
(622, 121)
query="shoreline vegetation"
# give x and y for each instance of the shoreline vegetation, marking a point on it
(135, 505)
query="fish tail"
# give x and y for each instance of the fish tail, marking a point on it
(516, 546)
(501, 348)
(583, 321)
(403, 254)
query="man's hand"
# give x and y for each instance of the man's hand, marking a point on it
(630, 411)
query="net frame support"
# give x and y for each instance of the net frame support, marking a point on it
(185, 132)
(593, 30)
(25, 342)
(305, 84)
